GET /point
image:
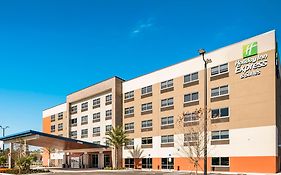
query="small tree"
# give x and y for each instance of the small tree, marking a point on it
(193, 146)
(3, 160)
(136, 153)
(22, 159)
(117, 138)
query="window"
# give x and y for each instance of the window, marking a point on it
(146, 90)
(146, 124)
(220, 113)
(219, 91)
(146, 141)
(108, 128)
(191, 117)
(167, 84)
(73, 109)
(73, 134)
(60, 115)
(84, 106)
(84, 120)
(96, 117)
(167, 121)
(191, 137)
(108, 98)
(96, 102)
(191, 77)
(60, 127)
(129, 110)
(220, 161)
(74, 122)
(167, 163)
(129, 95)
(167, 139)
(219, 69)
(108, 114)
(146, 163)
(130, 142)
(191, 97)
(96, 130)
(53, 118)
(84, 133)
(53, 128)
(167, 102)
(129, 163)
(146, 107)
(129, 126)
(220, 135)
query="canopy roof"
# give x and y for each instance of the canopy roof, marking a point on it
(40, 139)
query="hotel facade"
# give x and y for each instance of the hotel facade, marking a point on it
(243, 112)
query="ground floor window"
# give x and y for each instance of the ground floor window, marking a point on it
(129, 163)
(167, 163)
(220, 161)
(146, 162)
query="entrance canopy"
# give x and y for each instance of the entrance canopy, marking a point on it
(40, 139)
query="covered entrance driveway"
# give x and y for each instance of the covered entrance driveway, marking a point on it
(74, 153)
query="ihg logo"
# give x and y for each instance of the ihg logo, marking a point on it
(250, 49)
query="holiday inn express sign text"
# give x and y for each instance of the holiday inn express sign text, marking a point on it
(252, 62)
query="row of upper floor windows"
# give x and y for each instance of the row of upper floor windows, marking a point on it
(96, 118)
(96, 104)
(60, 116)
(168, 122)
(96, 132)
(188, 98)
(217, 70)
(189, 139)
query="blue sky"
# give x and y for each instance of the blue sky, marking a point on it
(50, 48)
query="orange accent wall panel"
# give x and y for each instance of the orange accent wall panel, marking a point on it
(260, 164)
(156, 163)
(46, 125)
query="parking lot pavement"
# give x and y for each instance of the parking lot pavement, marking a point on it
(121, 173)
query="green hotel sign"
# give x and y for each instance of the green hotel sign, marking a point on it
(250, 49)
(252, 62)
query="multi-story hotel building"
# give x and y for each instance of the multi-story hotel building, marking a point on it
(244, 103)
(87, 115)
(243, 98)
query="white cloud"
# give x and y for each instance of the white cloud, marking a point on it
(142, 26)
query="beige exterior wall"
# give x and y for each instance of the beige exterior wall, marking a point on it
(252, 104)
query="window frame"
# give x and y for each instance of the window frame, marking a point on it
(84, 122)
(166, 84)
(219, 135)
(191, 96)
(129, 126)
(220, 161)
(167, 102)
(129, 95)
(219, 71)
(192, 116)
(146, 90)
(168, 139)
(167, 118)
(131, 109)
(147, 139)
(219, 116)
(191, 80)
(146, 123)
(220, 95)
(146, 104)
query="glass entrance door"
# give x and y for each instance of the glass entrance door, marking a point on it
(107, 160)
(95, 161)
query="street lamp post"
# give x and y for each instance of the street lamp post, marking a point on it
(3, 132)
(206, 61)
